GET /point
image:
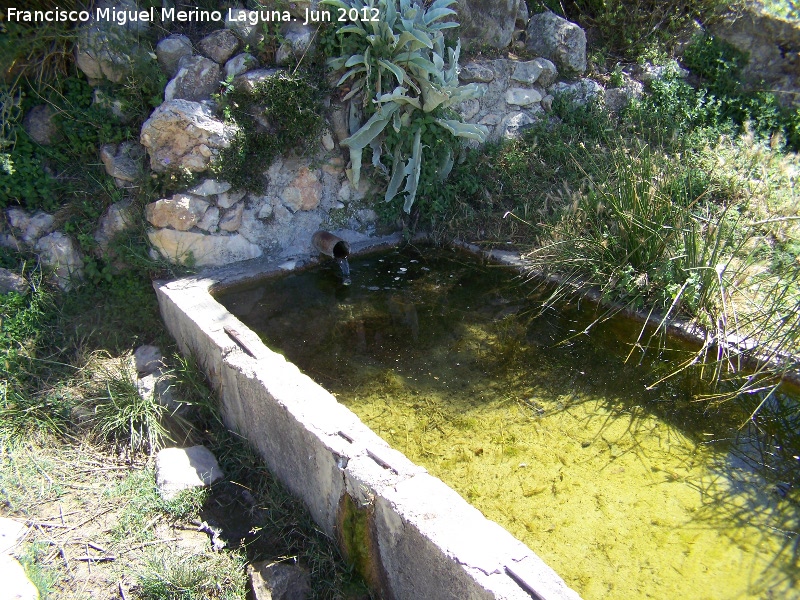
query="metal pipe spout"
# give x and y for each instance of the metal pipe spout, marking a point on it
(335, 247)
(330, 245)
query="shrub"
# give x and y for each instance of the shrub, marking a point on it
(399, 82)
(280, 114)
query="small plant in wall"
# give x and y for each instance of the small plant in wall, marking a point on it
(403, 87)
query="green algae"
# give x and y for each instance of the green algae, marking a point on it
(626, 492)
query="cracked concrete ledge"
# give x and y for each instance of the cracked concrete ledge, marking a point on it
(424, 540)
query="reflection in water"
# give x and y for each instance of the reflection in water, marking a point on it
(627, 492)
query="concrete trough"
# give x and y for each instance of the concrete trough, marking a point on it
(411, 536)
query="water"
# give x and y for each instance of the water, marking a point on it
(627, 493)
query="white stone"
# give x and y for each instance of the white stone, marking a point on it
(522, 96)
(201, 249)
(16, 585)
(179, 469)
(469, 108)
(12, 282)
(184, 134)
(156, 385)
(117, 218)
(228, 199)
(147, 359)
(123, 161)
(513, 124)
(210, 220)
(209, 187)
(579, 92)
(239, 64)
(171, 50)
(527, 72)
(32, 227)
(548, 73)
(232, 219)
(197, 78)
(60, 252)
(327, 141)
(245, 24)
(219, 45)
(181, 211)
(265, 212)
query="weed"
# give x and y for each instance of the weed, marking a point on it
(31, 560)
(280, 114)
(188, 576)
(120, 413)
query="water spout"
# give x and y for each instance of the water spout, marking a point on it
(335, 247)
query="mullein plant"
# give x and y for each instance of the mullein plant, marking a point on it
(403, 87)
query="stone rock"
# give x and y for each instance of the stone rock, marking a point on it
(179, 469)
(278, 581)
(31, 227)
(209, 187)
(298, 40)
(772, 46)
(338, 122)
(327, 141)
(147, 359)
(11, 282)
(515, 123)
(522, 96)
(523, 16)
(201, 249)
(16, 585)
(304, 192)
(11, 534)
(232, 219)
(618, 98)
(184, 134)
(580, 92)
(210, 220)
(469, 108)
(181, 211)
(170, 51)
(475, 73)
(527, 72)
(265, 211)
(197, 78)
(649, 72)
(107, 50)
(247, 82)
(158, 386)
(38, 123)
(489, 22)
(245, 24)
(549, 72)
(60, 252)
(239, 64)
(547, 102)
(219, 45)
(123, 161)
(117, 218)
(558, 40)
(228, 199)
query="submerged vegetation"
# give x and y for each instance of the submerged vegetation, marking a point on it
(682, 206)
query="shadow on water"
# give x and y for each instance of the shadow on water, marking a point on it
(422, 345)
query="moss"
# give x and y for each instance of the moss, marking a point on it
(357, 539)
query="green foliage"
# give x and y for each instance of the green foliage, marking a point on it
(628, 28)
(399, 81)
(121, 414)
(280, 114)
(191, 576)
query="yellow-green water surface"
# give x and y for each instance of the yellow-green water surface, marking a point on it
(626, 493)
